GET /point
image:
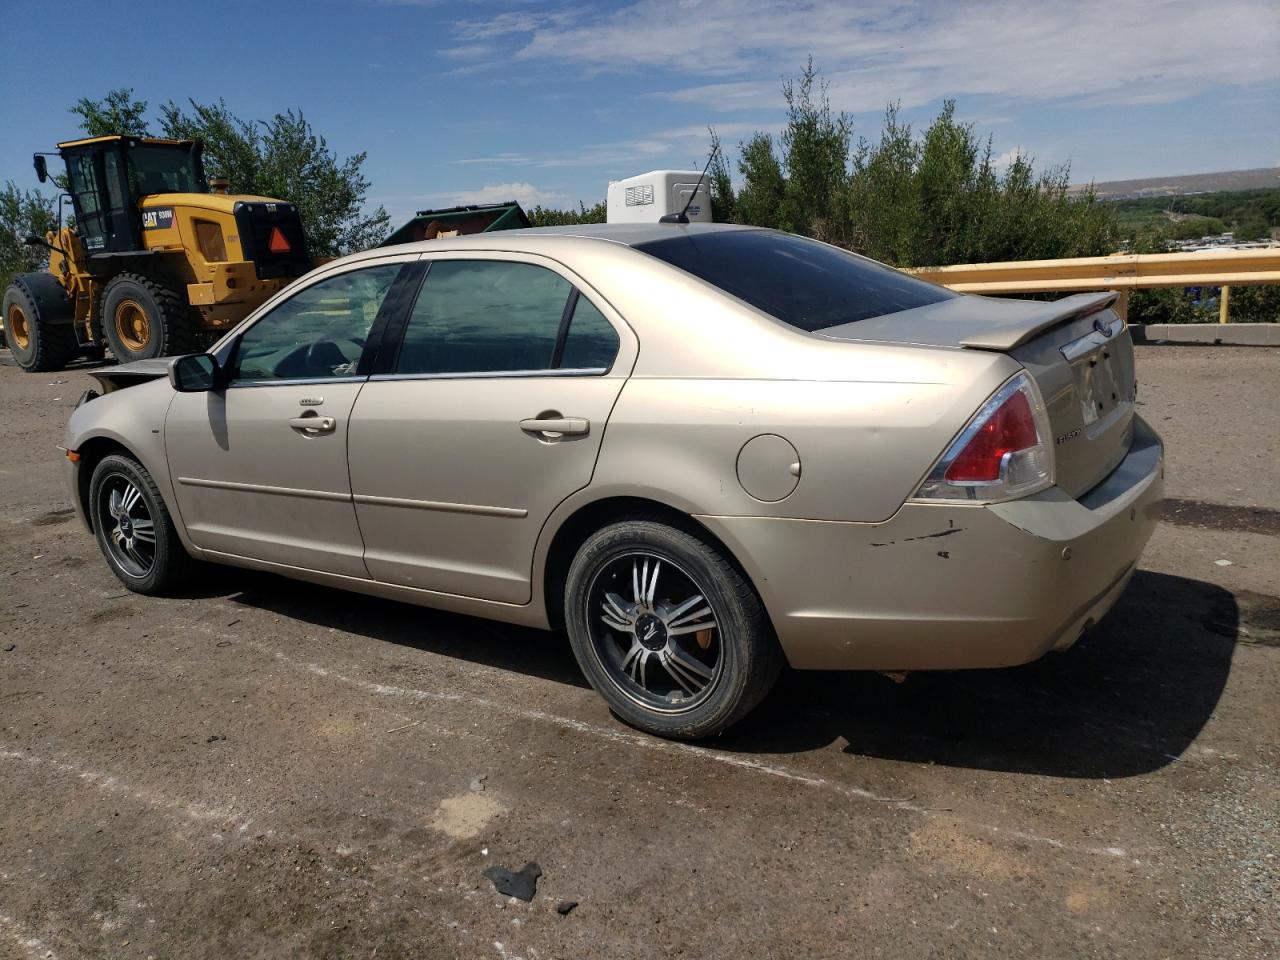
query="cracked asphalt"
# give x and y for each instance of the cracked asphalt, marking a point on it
(273, 769)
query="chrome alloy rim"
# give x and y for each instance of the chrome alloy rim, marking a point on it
(132, 539)
(654, 632)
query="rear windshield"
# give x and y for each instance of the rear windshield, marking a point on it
(801, 282)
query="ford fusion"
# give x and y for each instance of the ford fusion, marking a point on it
(704, 451)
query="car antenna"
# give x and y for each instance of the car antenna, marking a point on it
(682, 216)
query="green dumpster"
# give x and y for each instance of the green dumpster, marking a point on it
(456, 221)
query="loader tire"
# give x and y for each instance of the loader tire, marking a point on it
(36, 344)
(143, 318)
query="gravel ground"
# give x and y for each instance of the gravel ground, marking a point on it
(268, 768)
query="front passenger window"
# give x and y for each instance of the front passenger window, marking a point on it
(318, 332)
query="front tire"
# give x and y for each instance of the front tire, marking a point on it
(142, 318)
(134, 529)
(667, 630)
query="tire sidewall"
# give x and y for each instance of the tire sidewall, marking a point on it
(119, 465)
(737, 642)
(126, 288)
(28, 358)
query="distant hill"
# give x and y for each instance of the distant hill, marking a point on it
(1190, 183)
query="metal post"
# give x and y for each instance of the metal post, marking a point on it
(1224, 305)
(1122, 305)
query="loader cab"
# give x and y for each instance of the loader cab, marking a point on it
(109, 176)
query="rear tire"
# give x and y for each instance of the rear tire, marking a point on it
(667, 630)
(142, 318)
(36, 344)
(134, 529)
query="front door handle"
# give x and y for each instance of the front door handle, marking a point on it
(312, 425)
(553, 428)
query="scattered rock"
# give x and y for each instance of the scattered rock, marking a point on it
(522, 884)
(10, 647)
(1222, 563)
(477, 785)
(215, 738)
(565, 907)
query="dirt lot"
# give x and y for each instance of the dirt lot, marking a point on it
(266, 768)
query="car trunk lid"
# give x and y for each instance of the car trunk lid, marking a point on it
(1077, 349)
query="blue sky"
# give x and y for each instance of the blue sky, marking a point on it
(500, 99)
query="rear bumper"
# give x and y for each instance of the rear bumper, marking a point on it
(951, 586)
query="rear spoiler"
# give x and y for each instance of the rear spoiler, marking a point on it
(1004, 336)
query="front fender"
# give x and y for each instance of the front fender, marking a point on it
(133, 421)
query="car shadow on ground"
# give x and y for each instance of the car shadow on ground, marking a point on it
(1127, 699)
(521, 650)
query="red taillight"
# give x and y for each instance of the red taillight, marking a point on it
(1011, 428)
(278, 243)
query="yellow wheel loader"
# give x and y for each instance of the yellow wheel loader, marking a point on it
(158, 263)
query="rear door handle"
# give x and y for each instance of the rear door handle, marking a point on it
(553, 428)
(311, 425)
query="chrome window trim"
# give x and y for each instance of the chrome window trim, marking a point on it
(495, 374)
(299, 382)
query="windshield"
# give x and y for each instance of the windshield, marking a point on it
(803, 283)
(156, 168)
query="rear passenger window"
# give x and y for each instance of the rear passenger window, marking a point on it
(483, 316)
(592, 342)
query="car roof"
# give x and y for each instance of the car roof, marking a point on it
(529, 238)
(629, 234)
(546, 240)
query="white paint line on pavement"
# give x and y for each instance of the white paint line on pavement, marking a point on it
(671, 746)
(112, 784)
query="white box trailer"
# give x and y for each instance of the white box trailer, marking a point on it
(646, 198)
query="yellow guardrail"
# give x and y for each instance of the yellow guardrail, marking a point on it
(1123, 272)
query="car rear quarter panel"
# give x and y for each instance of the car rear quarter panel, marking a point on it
(867, 420)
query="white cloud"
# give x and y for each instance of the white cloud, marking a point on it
(1093, 51)
(1001, 163)
(687, 145)
(526, 194)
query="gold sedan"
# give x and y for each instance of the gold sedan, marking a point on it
(703, 450)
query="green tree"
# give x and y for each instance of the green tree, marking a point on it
(116, 113)
(883, 203)
(282, 157)
(909, 199)
(759, 202)
(541, 216)
(1247, 231)
(722, 196)
(23, 213)
(815, 150)
(1255, 304)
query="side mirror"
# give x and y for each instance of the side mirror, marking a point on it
(42, 168)
(195, 373)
